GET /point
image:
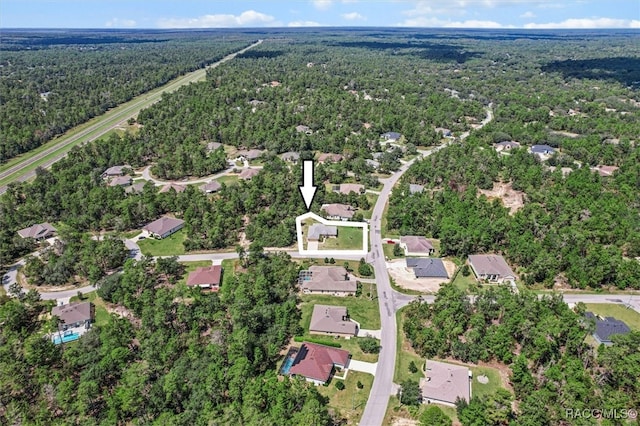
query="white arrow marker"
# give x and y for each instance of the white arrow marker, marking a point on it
(307, 189)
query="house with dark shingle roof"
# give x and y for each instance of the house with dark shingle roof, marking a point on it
(430, 267)
(39, 231)
(333, 320)
(391, 136)
(168, 187)
(163, 227)
(606, 327)
(115, 171)
(316, 363)
(543, 152)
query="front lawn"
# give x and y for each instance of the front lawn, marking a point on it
(349, 238)
(228, 179)
(628, 315)
(170, 246)
(362, 309)
(349, 402)
(405, 354)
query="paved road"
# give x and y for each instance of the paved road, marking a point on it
(389, 301)
(104, 124)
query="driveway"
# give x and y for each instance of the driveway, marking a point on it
(363, 332)
(364, 367)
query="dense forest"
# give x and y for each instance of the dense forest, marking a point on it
(52, 82)
(181, 358)
(543, 342)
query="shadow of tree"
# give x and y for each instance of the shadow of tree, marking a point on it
(625, 70)
(258, 53)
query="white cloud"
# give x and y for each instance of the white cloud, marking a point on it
(528, 14)
(423, 21)
(304, 24)
(120, 23)
(587, 23)
(249, 18)
(322, 4)
(353, 16)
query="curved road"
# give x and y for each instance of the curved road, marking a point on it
(103, 124)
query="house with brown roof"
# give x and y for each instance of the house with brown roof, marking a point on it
(212, 146)
(75, 315)
(329, 158)
(136, 188)
(491, 267)
(168, 187)
(290, 156)
(316, 363)
(211, 187)
(414, 245)
(119, 181)
(333, 280)
(332, 320)
(337, 211)
(250, 155)
(248, 174)
(206, 277)
(445, 383)
(115, 171)
(605, 171)
(39, 231)
(163, 227)
(347, 188)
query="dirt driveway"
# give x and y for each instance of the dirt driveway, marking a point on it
(405, 278)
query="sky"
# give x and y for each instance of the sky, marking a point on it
(533, 14)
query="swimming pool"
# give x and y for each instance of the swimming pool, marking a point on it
(286, 366)
(66, 338)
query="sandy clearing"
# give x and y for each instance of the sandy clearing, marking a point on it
(511, 199)
(405, 278)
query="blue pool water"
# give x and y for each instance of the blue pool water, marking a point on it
(286, 366)
(66, 338)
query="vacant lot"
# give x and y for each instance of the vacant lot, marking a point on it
(511, 199)
(405, 278)
(349, 402)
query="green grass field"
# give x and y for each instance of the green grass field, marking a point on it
(228, 179)
(349, 238)
(404, 355)
(349, 402)
(170, 246)
(629, 316)
(102, 316)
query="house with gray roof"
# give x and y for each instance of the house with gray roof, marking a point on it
(333, 320)
(430, 267)
(248, 174)
(415, 245)
(163, 227)
(135, 188)
(250, 155)
(444, 383)
(39, 231)
(391, 136)
(212, 146)
(543, 152)
(115, 171)
(373, 163)
(318, 231)
(75, 315)
(333, 280)
(119, 181)
(347, 188)
(606, 327)
(491, 267)
(506, 146)
(291, 157)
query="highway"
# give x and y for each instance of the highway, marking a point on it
(99, 126)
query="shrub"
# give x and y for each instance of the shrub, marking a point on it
(339, 385)
(369, 345)
(412, 367)
(317, 341)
